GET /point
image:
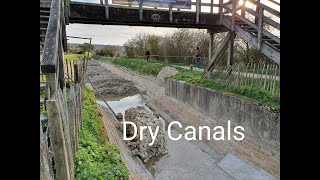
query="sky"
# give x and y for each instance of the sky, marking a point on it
(116, 34)
(111, 34)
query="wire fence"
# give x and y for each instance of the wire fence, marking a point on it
(251, 75)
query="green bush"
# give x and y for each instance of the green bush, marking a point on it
(141, 66)
(106, 52)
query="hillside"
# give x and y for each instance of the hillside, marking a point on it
(100, 46)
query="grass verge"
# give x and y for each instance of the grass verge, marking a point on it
(139, 65)
(258, 95)
(96, 158)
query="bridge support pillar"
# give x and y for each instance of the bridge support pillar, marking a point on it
(211, 48)
(230, 50)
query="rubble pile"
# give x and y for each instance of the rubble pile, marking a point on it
(142, 117)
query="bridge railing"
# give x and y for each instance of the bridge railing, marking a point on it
(207, 6)
(259, 16)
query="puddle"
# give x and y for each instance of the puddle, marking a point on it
(121, 104)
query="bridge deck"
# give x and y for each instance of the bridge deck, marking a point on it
(86, 13)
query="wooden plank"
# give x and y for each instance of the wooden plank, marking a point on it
(246, 21)
(71, 118)
(66, 12)
(197, 11)
(220, 10)
(62, 105)
(251, 11)
(262, 73)
(270, 10)
(140, 10)
(257, 10)
(106, 6)
(265, 77)
(170, 12)
(211, 35)
(230, 49)
(52, 82)
(271, 22)
(67, 70)
(270, 35)
(253, 78)
(275, 79)
(233, 22)
(205, 4)
(243, 8)
(76, 73)
(260, 27)
(61, 75)
(44, 163)
(275, 2)
(57, 141)
(49, 59)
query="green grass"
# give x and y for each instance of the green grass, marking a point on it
(70, 56)
(253, 94)
(96, 158)
(139, 65)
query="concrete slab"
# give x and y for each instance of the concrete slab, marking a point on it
(240, 169)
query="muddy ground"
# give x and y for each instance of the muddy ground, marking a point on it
(108, 84)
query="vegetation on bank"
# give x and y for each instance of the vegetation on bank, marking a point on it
(96, 158)
(73, 56)
(194, 77)
(254, 94)
(139, 65)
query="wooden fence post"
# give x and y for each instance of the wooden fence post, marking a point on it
(44, 163)
(71, 118)
(57, 141)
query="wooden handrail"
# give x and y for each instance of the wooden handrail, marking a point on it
(271, 22)
(270, 35)
(50, 50)
(247, 21)
(265, 7)
(275, 2)
(251, 11)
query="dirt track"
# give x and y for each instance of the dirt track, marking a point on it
(107, 83)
